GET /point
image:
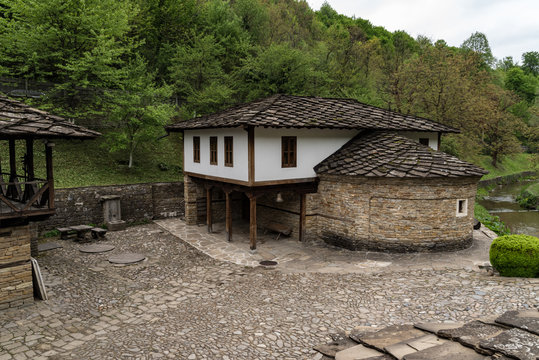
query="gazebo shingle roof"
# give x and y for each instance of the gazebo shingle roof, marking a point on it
(18, 120)
(386, 154)
(288, 111)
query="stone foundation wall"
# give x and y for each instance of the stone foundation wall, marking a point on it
(139, 202)
(396, 215)
(16, 288)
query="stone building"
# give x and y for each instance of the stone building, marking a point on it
(25, 198)
(354, 175)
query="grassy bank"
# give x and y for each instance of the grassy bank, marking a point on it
(492, 222)
(87, 163)
(512, 164)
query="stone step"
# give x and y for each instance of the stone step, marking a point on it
(514, 343)
(400, 350)
(448, 351)
(526, 320)
(472, 333)
(385, 337)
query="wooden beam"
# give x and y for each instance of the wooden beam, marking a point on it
(208, 209)
(302, 212)
(251, 154)
(228, 220)
(252, 221)
(50, 176)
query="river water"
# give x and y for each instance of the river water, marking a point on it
(501, 202)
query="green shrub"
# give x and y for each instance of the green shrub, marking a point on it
(492, 222)
(515, 255)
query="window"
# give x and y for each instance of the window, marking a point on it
(229, 146)
(424, 141)
(462, 207)
(196, 149)
(289, 151)
(213, 150)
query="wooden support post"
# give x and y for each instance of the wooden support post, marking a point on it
(50, 177)
(30, 159)
(208, 209)
(12, 191)
(252, 221)
(302, 212)
(228, 220)
(29, 189)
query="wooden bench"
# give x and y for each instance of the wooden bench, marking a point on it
(280, 229)
(74, 231)
(66, 233)
(98, 232)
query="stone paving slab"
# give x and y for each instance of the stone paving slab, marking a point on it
(388, 336)
(294, 256)
(96, 248)
(515, 343)
(340, 342)
(446, 351)
(472, 333)
(435, 327)
(525, 320)
(126, 258)
(399, 350)
(48, 246)
(425, 342)
(358, 352)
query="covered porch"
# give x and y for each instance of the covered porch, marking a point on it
(242, 202)
(22, 193)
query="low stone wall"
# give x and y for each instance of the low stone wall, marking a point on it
(397, 215)
(507, 179)
(16, 287)
(139, 202)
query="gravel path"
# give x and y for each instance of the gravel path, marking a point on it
(182, 304)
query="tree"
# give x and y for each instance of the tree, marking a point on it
(530, 62)
(522, 84)
(77, 44)
(478, 43)
(138, 111)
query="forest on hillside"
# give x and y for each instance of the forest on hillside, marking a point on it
(128, 67)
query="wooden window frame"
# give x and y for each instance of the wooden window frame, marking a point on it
(289, 151)
(196, 149)
(229, 151)
(213, 150)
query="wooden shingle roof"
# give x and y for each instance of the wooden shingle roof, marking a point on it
(288, 111)
(386, 154)
(18, 120)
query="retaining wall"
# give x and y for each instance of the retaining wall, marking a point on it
(139, 202)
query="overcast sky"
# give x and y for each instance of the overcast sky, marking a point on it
(511, 26)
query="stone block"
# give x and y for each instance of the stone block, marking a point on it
(525, 320)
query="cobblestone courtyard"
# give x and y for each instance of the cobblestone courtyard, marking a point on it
(182, 304)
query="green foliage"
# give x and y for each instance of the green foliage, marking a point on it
(478, 43)
(530, 62)
(511, 164)
(114, 63)
(492, 222)
(52, 233)
(522, 84)
(137, 112)
(529, 197)
(515, 255)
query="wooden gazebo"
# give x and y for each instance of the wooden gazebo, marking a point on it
(23, 196)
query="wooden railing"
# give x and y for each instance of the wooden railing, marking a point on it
(20, 196)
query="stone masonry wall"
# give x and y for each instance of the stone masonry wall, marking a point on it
(395, 214)
(139, 202)
(16, 288)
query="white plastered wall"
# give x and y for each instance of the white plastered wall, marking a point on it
(240, 153)
(416, 135)
(313, 146)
